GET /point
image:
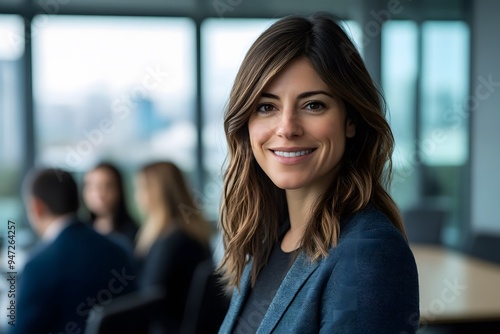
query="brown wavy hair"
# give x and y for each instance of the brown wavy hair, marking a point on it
(252, 206)
(172, 206)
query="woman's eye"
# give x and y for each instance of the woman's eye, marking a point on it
(265, 108)
(315, 105)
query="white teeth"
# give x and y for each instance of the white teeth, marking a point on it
(292, 154)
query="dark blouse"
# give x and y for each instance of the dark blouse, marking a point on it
(267, 283)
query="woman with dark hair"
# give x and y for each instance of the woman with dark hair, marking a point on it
(313, 241)
(104, 196)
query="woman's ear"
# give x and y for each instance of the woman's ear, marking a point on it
(350, 128)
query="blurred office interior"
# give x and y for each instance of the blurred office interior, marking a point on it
(133, 81)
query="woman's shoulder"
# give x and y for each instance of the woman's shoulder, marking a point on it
(369, 223)
(371, 249)
(370, 234)
(174, 237)
(372, 266)
(179, 240)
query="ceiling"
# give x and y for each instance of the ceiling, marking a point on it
(399, 9)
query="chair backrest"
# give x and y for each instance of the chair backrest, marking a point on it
(207, 301)
(486, 247)
(424, 224)
(132, 313)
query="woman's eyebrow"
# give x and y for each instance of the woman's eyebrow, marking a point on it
(270, 96)
(301, 95)
(314, 92)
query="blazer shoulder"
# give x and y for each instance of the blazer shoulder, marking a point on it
(370, 239)
(79, 243)
(369, 223)
(372, 276)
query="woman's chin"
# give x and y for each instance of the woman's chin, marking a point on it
(288, 184)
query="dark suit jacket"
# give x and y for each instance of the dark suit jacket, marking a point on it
(65, 278)
(367, 284)
(170, 265)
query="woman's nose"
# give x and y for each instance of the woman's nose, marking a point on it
(289, 125)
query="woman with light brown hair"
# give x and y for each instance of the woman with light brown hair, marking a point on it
(173, 239)
(313, 241)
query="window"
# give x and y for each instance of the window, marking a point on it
(444, 93)
(11, 129)
(444, 120)
(114, 88)
(399, 80)
(353, 30)
(11, 141)
(426, 67)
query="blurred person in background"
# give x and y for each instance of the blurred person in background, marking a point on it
(73, 269)
(174, 238)
(104, 196)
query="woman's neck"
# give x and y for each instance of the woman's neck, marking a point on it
(161, 220)
(104, 224)
(300, 204)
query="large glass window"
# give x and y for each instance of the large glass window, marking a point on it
(114, 88)
(431, 141)
(355, 33)
(11, 130)
(11, 141)
(444, 120)
(399, 80)
(445, 69)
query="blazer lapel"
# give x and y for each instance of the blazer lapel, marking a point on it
(238, 301)
(295, 278)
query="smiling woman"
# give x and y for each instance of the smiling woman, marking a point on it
(299, 129)
(306, 217)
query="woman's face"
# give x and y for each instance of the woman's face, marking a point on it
(100, 192)
(298, 129)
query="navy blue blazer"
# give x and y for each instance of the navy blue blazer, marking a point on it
(367, 284)
(65, 278)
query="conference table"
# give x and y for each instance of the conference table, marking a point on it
(456, 288)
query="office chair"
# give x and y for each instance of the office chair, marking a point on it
(207, 302)
(132, 313)
(486, 247)
(424, 224)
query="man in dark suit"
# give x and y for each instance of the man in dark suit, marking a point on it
(75, 272)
